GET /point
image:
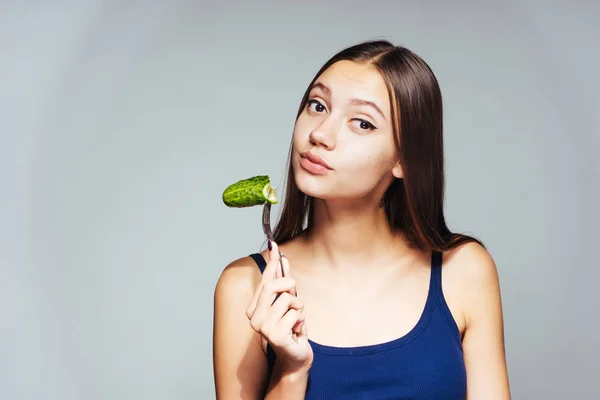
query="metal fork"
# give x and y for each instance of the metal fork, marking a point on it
(266, 224)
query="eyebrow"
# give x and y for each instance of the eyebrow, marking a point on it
(354, 101)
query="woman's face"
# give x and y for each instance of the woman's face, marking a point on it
(347, 124)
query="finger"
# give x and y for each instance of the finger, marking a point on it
(284, 303)
(251, 308)
(279, 271)
(269, 292)
(287, 270)
(286, 265)
(252, 305)
(280, 334)
(303, 330)
(267, 275)
(271, 289)
(272, 264)
(298, 327)
(287, 323)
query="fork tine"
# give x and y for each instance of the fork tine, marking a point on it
(266, 221)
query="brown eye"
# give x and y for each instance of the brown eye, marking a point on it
(365, 125)
(314, 105)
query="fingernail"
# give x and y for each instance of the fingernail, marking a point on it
(270, 246)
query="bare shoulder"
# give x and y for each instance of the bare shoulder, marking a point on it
(471, 279)
(472, 263)
(240, 276)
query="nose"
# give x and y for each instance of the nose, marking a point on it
(325, 134)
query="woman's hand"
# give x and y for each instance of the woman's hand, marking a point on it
(279, 320)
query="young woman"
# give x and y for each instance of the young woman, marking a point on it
(377, 297)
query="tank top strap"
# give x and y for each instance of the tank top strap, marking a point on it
(260, 261)
(438, 293)
(436, 273)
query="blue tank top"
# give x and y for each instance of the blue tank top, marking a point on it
(426, 364)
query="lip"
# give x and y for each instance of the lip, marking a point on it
(315, 159)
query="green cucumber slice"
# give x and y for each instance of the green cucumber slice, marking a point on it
(250, 192)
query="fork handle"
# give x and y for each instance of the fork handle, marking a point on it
(266, 224)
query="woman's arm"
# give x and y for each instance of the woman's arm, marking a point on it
(483, 340)
(275, 312)
(246, 316)
(239, 363)
(287, 385)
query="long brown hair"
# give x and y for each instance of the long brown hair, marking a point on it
(414, 205)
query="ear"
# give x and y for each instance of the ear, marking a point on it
(397, 170)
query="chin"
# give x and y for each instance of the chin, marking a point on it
(330, 188)
(312, 185)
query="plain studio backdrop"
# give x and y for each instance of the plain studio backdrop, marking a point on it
(122, 122)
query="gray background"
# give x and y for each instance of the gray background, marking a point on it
(122, 122)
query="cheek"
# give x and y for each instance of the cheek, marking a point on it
(362, 160)
(296, 135)
(300, 132)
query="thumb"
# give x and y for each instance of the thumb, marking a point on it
(302, 331)
(285, 264)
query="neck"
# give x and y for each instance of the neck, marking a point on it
(351, 234)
